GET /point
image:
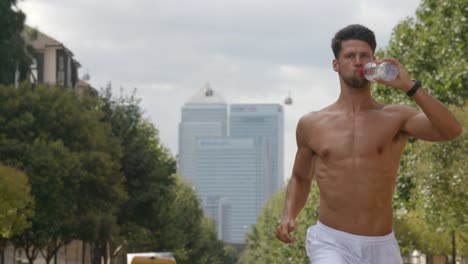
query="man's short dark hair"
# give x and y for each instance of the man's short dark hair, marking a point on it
(353, 32)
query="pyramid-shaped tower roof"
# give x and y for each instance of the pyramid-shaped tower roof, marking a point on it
(206, 95)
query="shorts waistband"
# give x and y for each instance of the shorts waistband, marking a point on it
(346, 235)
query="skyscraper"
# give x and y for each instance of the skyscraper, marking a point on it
(229, 175)
(234, 170)
(264, 122)
(204, 115)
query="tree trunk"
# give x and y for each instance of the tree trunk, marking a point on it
(429, 259)
(98, 253)
(105, 252)
(3, 245)
(115, 251)
(83, 252)
(454, 249)
(31, 253)
(96, 256)
(51, 250)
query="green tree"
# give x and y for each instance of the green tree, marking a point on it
(16, 201)
(147, 166)
(437, 209)
(13, 50)
(413, 232)
(433, 48)
(71, 158)
(262, 245)
(154, 218)
(16, 205)
(441, 192)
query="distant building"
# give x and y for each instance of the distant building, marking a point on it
(218, 208)
(229, 178)
(83, 87)
(234, 160)
(264, 122)
(53, 63)
(204, 115)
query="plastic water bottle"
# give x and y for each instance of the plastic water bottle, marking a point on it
(386, 71)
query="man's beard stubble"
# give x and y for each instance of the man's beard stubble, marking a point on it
(355, 82)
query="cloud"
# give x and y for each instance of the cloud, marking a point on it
(249, 50)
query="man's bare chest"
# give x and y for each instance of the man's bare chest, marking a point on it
(367, 135)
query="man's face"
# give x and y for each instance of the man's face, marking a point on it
(353, 56)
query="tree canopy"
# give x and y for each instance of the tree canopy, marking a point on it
(13, 50)
(16, 202)
(154, 218)
(70, 157)
(432, 46)
(262, 245)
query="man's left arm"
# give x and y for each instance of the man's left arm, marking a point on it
(435, 122)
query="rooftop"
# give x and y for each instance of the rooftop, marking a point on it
(206, 95)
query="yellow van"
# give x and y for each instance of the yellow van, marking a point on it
(153, 260)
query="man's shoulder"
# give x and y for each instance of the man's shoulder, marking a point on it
(401, 110)
(316, 115)
(310, 118)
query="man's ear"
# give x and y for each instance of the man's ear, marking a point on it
(335, 65)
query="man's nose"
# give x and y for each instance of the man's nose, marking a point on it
(358, 61)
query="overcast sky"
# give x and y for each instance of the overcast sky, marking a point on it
(250, 51)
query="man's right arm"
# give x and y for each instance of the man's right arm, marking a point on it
(299, 185)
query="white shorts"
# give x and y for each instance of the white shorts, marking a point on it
(325, 245)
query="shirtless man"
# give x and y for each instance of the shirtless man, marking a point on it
(353, 147)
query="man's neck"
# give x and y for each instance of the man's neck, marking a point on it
(355, 100)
